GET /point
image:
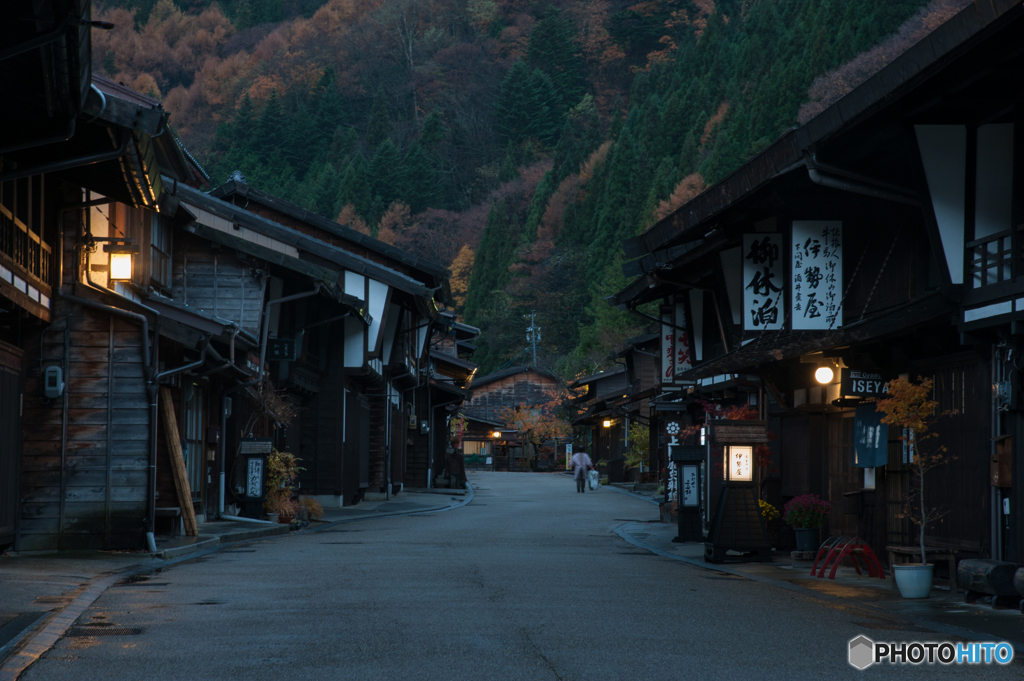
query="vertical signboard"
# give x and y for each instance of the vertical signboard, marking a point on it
(763, 296)
(668, 346)
(683, 362)
(690, 496)
(817, 275)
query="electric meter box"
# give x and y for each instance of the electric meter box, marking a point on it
(53, 382)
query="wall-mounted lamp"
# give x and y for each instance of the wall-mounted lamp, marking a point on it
(496, 434)
(607, 423)
(823, 375)
(121, 252)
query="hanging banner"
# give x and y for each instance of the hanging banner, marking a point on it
(763, 297)
(870, 437)
(668, 346)
(817, 275)
(683, 362)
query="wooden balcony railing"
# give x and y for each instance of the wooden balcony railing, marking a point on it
(995, 259)
(25, 249)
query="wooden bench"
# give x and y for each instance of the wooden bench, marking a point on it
(932, 552)
(173, 512)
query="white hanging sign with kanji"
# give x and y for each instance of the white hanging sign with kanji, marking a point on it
(668, 346)
(683, 359)
(816, 282)
(763, 293)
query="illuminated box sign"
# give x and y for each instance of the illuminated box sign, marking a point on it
(739, 432)
(855, 383)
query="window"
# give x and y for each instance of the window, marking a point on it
(160, 253)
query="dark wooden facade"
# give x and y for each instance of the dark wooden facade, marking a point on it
(928, 280)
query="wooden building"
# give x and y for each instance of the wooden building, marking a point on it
(149, 329)
(352, 363)
(605, 420)
(877, 240)
(511, 388)
(436, 441)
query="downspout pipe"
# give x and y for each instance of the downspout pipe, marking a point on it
(265, 331)
(192, 365)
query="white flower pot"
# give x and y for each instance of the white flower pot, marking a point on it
(914, 579)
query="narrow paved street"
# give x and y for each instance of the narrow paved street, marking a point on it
(528, 581)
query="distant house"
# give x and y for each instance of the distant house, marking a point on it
(517, 386)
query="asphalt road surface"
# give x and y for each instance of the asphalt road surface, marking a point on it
(526, 582)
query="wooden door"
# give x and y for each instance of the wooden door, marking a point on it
(356, 467)
(10, 440)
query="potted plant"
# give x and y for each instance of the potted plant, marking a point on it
(282, 471)
(806, 514)
(771, 516)
(911, 409)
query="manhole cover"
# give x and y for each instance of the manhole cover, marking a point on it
(53, 599)
(93, 630)
(210, 603)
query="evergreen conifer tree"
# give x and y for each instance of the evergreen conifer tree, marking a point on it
(243, 15)
(379, 127)
(269, 129)
(433, 131)
(551, 49)
(325, 202)
(385, 177)
(514, 105)
(419, 186)
(355, 187)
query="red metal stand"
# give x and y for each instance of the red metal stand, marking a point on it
(835, 549)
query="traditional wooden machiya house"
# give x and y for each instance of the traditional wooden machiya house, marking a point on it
(604, 419)
(494, 396)
(346, 368)
(91, 211)
(877, 240)
(436, 435)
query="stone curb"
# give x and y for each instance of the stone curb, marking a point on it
(632, 494)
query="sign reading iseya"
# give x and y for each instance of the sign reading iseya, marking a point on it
(763, 302)
(817, 275)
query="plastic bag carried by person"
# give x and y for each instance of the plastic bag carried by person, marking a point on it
(593, 480)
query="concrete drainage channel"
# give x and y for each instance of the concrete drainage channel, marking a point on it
(30, 635)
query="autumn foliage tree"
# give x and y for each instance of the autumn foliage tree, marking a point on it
(912, 410)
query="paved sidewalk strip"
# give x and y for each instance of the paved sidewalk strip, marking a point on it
(636, 533)
(43, 632)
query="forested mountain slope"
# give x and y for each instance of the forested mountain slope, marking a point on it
(517, 142)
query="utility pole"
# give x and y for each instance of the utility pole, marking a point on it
(533, 336)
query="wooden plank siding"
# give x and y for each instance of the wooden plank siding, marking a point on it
(90, 493)
(218, 283)
(377, 425)
(527, 388)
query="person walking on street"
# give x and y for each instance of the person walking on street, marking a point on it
(581, 463)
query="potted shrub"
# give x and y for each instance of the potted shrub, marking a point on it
(771, 517)
(911, 409)
(282, 471)
(806, 514)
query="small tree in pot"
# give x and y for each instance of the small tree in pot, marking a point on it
(911, 409)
